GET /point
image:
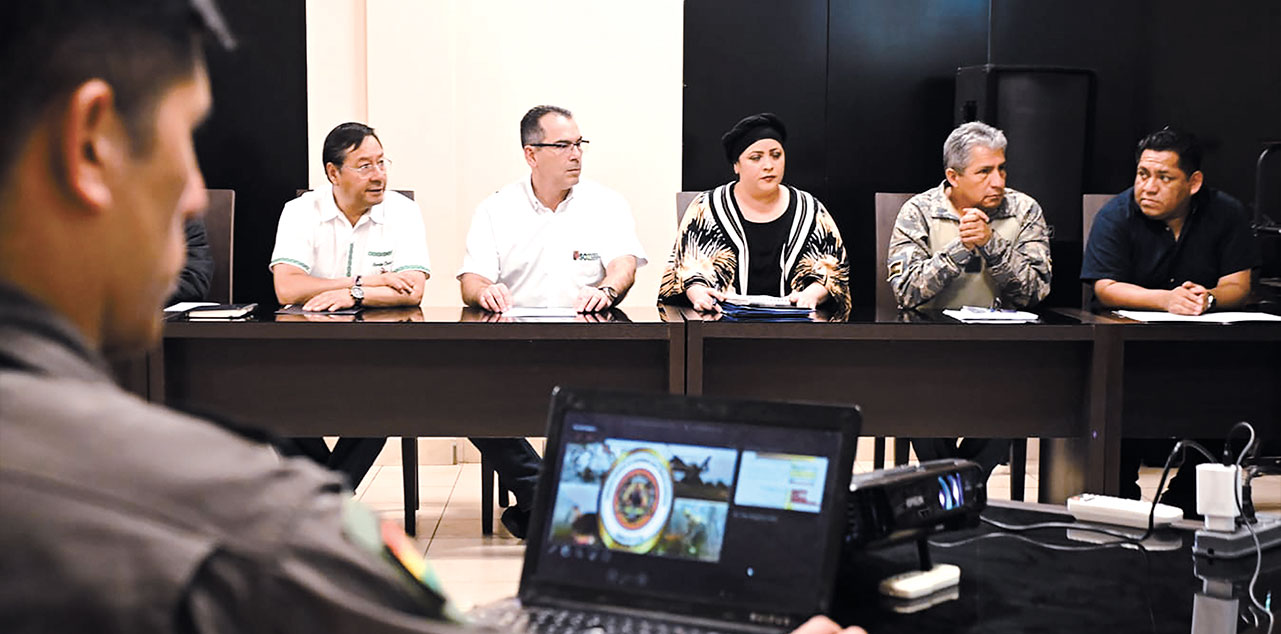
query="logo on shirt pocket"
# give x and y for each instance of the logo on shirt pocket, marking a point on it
(588, 269)
(381, 260)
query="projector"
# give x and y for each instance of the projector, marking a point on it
(914, 501)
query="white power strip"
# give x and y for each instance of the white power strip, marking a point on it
(918, 583)
(1105, 509)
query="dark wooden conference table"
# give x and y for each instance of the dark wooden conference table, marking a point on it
(1078, 380)
(409, 372)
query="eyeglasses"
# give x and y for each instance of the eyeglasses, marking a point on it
(560, 147)
(368, 168)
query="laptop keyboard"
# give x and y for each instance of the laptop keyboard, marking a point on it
(535, 620)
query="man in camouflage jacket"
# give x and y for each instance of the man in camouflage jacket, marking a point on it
(970, 240)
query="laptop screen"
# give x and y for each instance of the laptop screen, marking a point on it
(729, 515)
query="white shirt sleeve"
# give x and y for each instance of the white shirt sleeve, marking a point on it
(411, 241)
(294, 236)
(621, 231)
(481, 257)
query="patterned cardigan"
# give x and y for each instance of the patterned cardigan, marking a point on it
(711, 249)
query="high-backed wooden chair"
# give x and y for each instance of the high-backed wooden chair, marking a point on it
(887, 207)
(683, 199)
(1090, 206)
(220, 229)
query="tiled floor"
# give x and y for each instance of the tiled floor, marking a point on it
(477, 570)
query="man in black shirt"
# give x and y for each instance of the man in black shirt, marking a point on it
(1170, 244)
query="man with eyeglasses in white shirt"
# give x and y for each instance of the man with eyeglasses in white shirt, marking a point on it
(549, 240)
(350, 245)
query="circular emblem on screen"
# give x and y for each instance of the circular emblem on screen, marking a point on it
(636, 501)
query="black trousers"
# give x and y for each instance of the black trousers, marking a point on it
(351, 457)
(516, 463)
(987, 452)
(514, 460)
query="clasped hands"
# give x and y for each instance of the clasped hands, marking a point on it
(975, 230)
(340, 298)
(1188, 299)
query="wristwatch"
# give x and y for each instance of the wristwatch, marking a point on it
(1210, 301)
(358, 292)
(610, 293)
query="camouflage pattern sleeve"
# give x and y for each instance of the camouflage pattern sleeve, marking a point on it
(1021, 268)
(914, 275)
(700, 255)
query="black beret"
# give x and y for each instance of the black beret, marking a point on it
(751, 129)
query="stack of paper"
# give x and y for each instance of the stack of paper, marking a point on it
(222, 311)
(761, 308)
(1229, 317)
(977, 315)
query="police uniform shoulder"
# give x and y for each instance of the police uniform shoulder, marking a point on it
(192, 473)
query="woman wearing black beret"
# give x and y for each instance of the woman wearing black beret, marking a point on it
(757, 236)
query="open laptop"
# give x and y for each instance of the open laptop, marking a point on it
(671, 513)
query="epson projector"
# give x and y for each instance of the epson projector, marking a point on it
(914, 501)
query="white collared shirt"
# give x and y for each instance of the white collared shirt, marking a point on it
(316, 237)
(545, 257)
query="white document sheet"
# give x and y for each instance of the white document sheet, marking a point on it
(759, 301)
(530, 312)
(1230, 317)
(976, 315)
(182, 307)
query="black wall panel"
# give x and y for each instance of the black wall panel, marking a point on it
(1216, 69)
(255, 141)
(749, 56)
(1045, 114)
(1106, 37)
(891, 79)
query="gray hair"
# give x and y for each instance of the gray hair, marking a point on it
(531, 130)
(957, 147)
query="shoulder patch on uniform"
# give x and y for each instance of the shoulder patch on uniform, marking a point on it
(895, 267)
(386, 540)
(403, 552)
